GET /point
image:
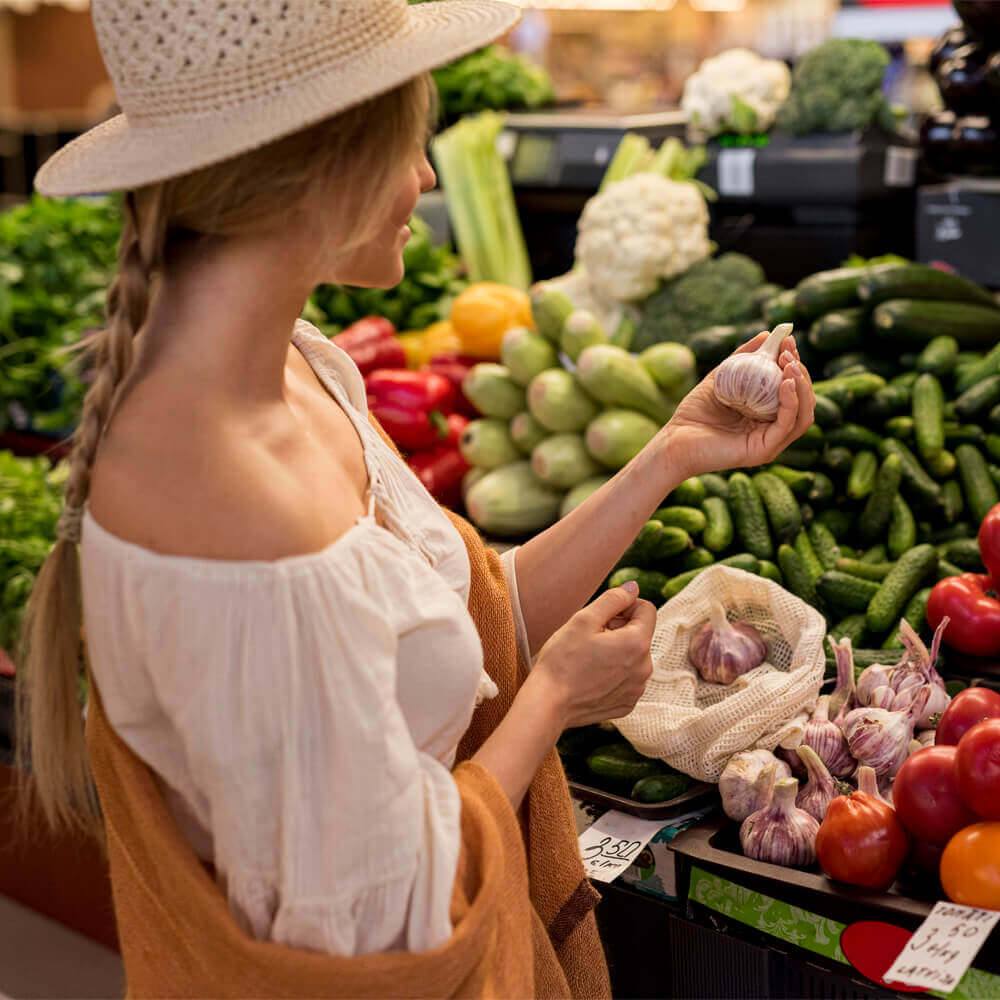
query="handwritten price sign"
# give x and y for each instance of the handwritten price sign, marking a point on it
(614, 842)
(943, 947)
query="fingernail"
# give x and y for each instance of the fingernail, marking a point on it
(795, 368)
(631, 586)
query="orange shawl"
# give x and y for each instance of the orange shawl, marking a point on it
(521, 907)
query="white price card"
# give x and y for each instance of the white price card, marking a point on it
(943, 947)
(614, 842)
(735, 169)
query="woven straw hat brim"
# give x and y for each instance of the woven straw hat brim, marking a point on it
(114, 156)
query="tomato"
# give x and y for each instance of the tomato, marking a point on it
(966, 709)
(861, 841)
(989, 542)
(925, 857)
(926, 797)
(977, 768)
(970, 866)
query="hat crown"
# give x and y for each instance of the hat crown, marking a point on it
(180, 58)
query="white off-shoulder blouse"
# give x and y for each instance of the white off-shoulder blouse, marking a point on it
(302, 714)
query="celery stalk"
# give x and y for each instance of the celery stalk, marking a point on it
(632, 155)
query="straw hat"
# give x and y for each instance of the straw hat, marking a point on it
(200, 81)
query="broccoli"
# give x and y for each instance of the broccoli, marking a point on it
(836, 88)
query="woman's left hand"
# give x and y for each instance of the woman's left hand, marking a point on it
(705, 436)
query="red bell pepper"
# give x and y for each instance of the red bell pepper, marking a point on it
(454, 367)
(411, 406)
(371, 343)
(972, 604)
(441, 469)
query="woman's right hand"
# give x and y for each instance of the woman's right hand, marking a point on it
(596, 666)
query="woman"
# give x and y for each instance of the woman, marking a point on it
(277, 614)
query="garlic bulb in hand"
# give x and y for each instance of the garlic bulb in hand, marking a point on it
(821, 789)
(749, 383)
(781, 833)
(746, 783)
(722, 650)
(881, 738)
(826, 738)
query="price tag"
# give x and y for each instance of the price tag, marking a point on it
(614, 842)
(943, 947)
(735, 168)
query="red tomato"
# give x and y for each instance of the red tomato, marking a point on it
(989, 542)
(924, 857)
(970, 866)
(926, 797)
(861, 841)
(966, 709)
(977, 768)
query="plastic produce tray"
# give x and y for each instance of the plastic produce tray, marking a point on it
(696, 796)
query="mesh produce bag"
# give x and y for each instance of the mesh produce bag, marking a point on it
(696, 726)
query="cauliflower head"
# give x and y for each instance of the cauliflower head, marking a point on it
(736, 91)
(638, 231)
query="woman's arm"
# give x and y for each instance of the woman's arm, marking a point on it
(558, 570)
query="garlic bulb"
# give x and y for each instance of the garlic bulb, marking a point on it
(828, 741)
(745, 784)
(781, 833)
(880, 737)
(723, 650)
(842, 696)
(872, 677)
(820, 790)
(927, 737)
(788, 756)
(749, 383)
(868, 783)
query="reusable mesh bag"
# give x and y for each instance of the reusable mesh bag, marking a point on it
(696, 726)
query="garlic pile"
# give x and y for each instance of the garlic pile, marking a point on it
(723, 650)
(826, 738)
(821, 789)
(749, 383)
(746, 783)
(781, 833)
(881, 737)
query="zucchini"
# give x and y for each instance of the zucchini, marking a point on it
(861, 479)
(838, 521)
(824, 544)
(876, 554)
(900, 585)
(718, 533)
(780, 309)
(581, 492)
(691, 519)
(621, 762)
(557, 401)
(827, 290)
(928, 416)
(689, 493)
(616, 436)
(562, 461)
(744, 561)
(827, 413)
(841, 330)
(878, 509)
(853, 436)
(977, 400)
(915, 613)
(486, 443)
(616, 378)
(900, 427)
(853, 627)
(844, 592)
(902, 528)
(715, 485)
(660, 788)
(952, 499)
(581, 330)
(915, 478)
(838, 459)
(822, 490)
(510, 502)
(963, 552)
(918, 281)
(749, 517)
(798, 481)
(526, 354)
(798, 579)
(526, 432)
(804, 548)
(782, 508)
(915, 321)
(770, 572)
(939, 357)
(673, 367)
(864, 570)
(980, 490)
(698, 558)
(650, 582)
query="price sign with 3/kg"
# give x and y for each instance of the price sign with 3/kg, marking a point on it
(613, 843)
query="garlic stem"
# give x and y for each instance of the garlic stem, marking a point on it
(772, 346)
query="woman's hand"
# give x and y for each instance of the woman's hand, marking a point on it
(705, 436)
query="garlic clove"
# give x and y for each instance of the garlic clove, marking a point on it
(750, 383)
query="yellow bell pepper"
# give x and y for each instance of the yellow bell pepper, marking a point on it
(420, 346)
(484, 312)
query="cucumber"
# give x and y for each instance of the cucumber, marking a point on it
(526, 354)
(902, 528)
(853, 627)
(715, 485)
(837, 365)
(674, 369)
(617, 378)
(744, 561)
(864, 570)
(827, 413)
(690, 493)
(798, 458)
(581, 330)
(994, 471)
(486, 443)
(698, 557)
(876, 554)
(617, 436)
(992, 444)
(905, 380)
(900, 427)
(993, 419)
(915, 478)
(839, 522)
(562, 461)
(645, 547)
(841, 330)
(822, 489)
(715, 343)
(491, 390)
(650, 582)
(780, 309)
(861, 479)
(827, 290)
(672, 542)
(925, 533)
(952, 499)
(946, 569)
(854, 386)
(900, 585)
(914, 321)
(557, 401)
(771, 572)
(718, 533)
(580, 740)
(878, 509)
(918, 281)
(660, 787)
(969, 373)
(511, 502)
(824, 544)
(691, 519)
(941, 465)
(526, 432)
(982, 397)
(797, 480)
(844, 592)
(803, 546)
(798, 578)
(939, 357)
(763, 294)
(782, 508)
(749, 517)
(928, 416)
(853, 436)
(581, 492)
(955, 434)
(963, 552)
(888, 401)
(621, 762)
(811, 438)
(980, 490)
(915, 613)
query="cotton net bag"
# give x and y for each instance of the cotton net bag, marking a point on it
(695, 725)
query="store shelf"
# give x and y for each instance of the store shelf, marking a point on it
(894, 23)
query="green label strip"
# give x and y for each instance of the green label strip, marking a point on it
(806, 929)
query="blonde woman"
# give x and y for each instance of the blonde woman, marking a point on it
(288, 639)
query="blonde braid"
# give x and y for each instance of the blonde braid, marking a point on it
(50, 732)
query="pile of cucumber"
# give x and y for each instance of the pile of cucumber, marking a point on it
(884, 494)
